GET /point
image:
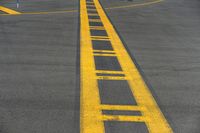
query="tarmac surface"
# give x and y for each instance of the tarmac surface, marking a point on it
(40, 69)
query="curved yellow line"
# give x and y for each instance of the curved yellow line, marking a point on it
(135, 5)
(70, 11)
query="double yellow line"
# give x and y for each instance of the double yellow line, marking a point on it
(93, 17)
(8, 10)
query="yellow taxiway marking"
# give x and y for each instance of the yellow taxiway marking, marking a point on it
(104, 51)
(135, 5)
(8, 10)
(91, 117)
(95, 54)
(71, 10)
(109, 72)
(121, 107)
(124, 118)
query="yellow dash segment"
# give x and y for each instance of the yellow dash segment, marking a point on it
(109, 72)
(101, 38)
(122, 107)
(104, 51)
(124, 118)
(97, 28)
(9, 11)
(95, 54)
(94, 20)
(111, 78)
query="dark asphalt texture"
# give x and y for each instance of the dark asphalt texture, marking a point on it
(39, 63)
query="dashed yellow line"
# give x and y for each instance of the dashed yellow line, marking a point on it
(9, 11)
(91, 117)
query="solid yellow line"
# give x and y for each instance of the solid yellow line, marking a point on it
(89, 99)
(9, 11)
(140, 91)
(40, 13)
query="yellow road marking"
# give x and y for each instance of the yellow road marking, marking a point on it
(94, 20)
(89, 111)
(124, 118)
(97, 28)
(71, 11)
(91, 117)
(109, 72)
(95, 54)
(135, 5)
(103, 38)
(121, 107)
(111, 78)
(9, 11)
(104, 51)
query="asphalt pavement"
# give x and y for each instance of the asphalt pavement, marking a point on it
(40, 69)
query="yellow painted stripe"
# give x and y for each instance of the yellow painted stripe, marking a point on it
(134, 5)
(109, 72)
(9, 11)
(124, 118)
(94, 20)
(103, 38)
(104, 51)
(95, 54)
(91, 118)
(89, 96)
(97, 28)
(111, 78)
(122, 107)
